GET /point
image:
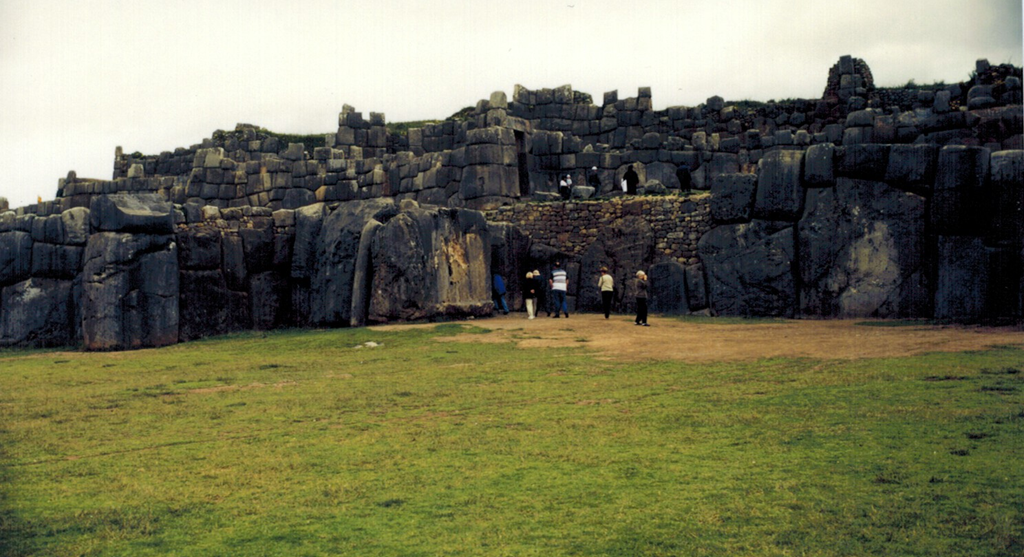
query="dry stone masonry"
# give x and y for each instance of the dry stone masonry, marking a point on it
(867, 202)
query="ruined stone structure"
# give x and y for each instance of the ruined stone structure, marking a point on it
(864, 203)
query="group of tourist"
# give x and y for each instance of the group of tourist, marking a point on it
(534, 294)
(629, 183)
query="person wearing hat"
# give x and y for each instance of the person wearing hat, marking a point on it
(607, 286)
(530, 287)
(565, 187)
(594, 181)
(641, 298)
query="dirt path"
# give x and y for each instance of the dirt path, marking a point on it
(672, 339)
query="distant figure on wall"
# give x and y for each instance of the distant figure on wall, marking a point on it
(593, 180)
(632, 180)
(683, 174)
(565, 187)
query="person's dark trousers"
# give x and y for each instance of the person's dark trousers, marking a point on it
(559, 302)
(499, 303)
(606, 302)
(641, 311)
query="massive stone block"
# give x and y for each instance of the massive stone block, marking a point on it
(625, 247)
(912, 167)
(487, 186)
(129, 291)
(142, 213)
(1006, 221)
(867, 161)
(961, 184)
(308, 221)
(664, 173)
(203, 305)
(258, 244)
(337, 249)
(199, 249)
(15, 256)
(732, 197)
(269, 300)
(668, 288)
(76, 226)
(510, 248)
(818, 165)
(862, 247)
(56, 261)
(963, 278)
(696, 287)
(780, 195)
(38, 312)
(750, 268)
(430, 263)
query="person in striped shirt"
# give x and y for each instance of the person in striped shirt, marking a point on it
(559, 285)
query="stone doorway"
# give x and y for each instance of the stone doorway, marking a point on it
(523, 171)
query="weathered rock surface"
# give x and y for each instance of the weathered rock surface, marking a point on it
(426, 265)
(861, 247)
(750, 269)
(510, 249)
(780, 195)
(961, 180)
(667, 288)
(732, 197)
(337, 250)
(38, 312)
(696, 287)
(204, 305)
(129, 291)
(627, 246)
(143, 213)
(15, 256)
(976, 282)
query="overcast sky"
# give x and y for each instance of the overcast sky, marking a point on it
(78, 78)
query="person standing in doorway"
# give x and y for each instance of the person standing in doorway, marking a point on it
(565, 187)
(498, 293)
(559, 286)
(607, 286)
(543, 300)
(683, 175)
(640, 285)
(594, 180)
(632, 180)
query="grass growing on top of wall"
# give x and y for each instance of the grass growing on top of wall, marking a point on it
(310, 141)
(402, 128)
(300, 443)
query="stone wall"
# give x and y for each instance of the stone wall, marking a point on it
(864, 203)
(676, 222)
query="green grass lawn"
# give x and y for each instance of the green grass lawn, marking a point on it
(299, 443)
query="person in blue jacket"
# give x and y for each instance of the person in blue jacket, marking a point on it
(498, 293)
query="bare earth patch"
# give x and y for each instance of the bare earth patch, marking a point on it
(670, 339)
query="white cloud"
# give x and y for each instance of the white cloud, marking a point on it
(78, 79)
